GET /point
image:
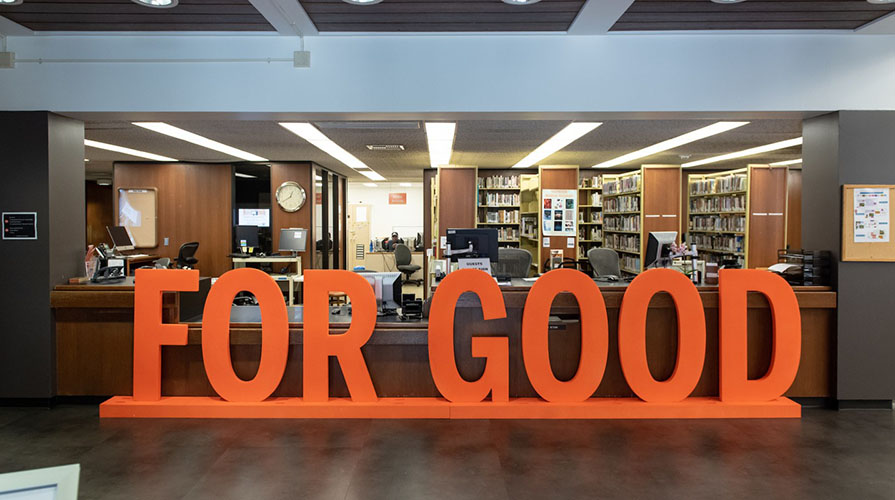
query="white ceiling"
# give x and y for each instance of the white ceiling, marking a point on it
(482, 143)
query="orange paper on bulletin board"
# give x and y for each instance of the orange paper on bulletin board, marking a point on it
(879, 245)
(397, 198)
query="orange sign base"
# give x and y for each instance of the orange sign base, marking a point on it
(522, 408)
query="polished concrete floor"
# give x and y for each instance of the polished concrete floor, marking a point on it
(827, 454)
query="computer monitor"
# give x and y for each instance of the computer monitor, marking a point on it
(389, 296)
(658, 248)
(121, 237)
(472, 243)
(293, 239)
(253, 217)
(246, 236)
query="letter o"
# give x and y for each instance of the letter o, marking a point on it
(594, 336)
(216, 336)
(690, 329)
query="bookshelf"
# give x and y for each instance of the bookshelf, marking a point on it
(738, 214)
(498, 205)
(590, 212)
(530, 202)
(636, 203)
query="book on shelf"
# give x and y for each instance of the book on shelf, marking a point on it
(622, 184)
(719, 242)
(594, 181)
(489, 198)
(509, 233)
(499, 182)
(621, 223)
(732, 203)
(624, 242)
(722, 184)
(729, 223)
(630, 263)
(625, 203)
(502, 216)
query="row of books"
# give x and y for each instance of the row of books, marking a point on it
(622, 204)
(628, 242)
(718, 223)
(530, 227)
(594, 181)
(596, 217)
(724, 243)
(622, 184)
(622, 223)
(735, 203)
(491, 198)
(592, 233)
(714, 185)
(501, 216)
(499, 182)
(508, 233)
(630, 263)
(594, 199)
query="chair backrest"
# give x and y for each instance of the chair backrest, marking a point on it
(512, 262)
(402, 255)
(604, 261)
(187, 252)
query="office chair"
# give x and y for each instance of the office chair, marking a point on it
(403, 259)
(162, 263)
(186, 256)
(512, 263)
(604, 262)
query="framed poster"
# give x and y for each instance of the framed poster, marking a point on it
(866, 223)
(138, 211)
(19, 225)
(559, 209)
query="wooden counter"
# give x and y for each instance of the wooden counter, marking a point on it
(95, 345)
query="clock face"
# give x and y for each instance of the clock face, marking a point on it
(290, 196)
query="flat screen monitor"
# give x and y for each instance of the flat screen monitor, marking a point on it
(473, 243)
(293, 239)
(121, 237)
(390, 294)
(246, 236)
(658, 247)
(254, 217)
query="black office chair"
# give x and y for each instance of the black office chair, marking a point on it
(186, 256)
(512, 263)
(604, 262)
(403, 260)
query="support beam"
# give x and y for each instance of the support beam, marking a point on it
(882, 26)
(598, 16)
(10, 28)
(287, 16)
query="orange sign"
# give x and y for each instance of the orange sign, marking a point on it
(397, 198)
(487, 397)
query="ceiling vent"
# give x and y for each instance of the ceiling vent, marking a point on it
(385, 147)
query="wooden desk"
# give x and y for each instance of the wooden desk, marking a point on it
(95, 344)
(133, 262)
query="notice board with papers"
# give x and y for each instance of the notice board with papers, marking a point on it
(866, 223)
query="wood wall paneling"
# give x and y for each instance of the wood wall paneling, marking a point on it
(794, 208)
(303, 174)
(99, 213)
(767, 207)
(660, 201)
(558, 178)
(194, 204)
(456, 203)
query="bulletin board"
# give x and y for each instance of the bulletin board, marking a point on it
(138, 211)
(867, 222)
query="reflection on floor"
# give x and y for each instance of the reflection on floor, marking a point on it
(827, 454)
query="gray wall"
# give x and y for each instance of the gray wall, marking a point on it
(853, 147)
(42, 170)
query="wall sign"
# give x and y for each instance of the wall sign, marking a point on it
(740, 396)
(397, 198)
(19, 225)
(558, 211)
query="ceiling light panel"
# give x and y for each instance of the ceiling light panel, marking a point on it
(311, 134)
(687, 138)
(127, 151)
(787, 162)
(747, 152)
(563, 138)
(440, 137)
(183, 135)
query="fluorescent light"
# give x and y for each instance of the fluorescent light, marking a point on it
(563, 138)
(85, 159)
(183, 135)
(787, 162)
(127, 151)
(370, 184)
(746, 152)
(687, 138)
(441, 142)
(245, 176)
(405, 184)
(318, 178)
(311, 134)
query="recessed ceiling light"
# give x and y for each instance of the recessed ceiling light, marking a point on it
(881, 1)
(728, 1)
(521, 2)
(86, 160)
(310, 133)
(104, 182)
(569, 134)
(10, 2)
(127, 151)
(362, 2)
(672, 143)
(440, 137)
(405, 184)
(787, 162)
(245, 176)
(747, 152)
(198, 140)
(157, 4)
(370, 184)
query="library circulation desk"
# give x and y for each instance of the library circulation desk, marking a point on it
(94, 341)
